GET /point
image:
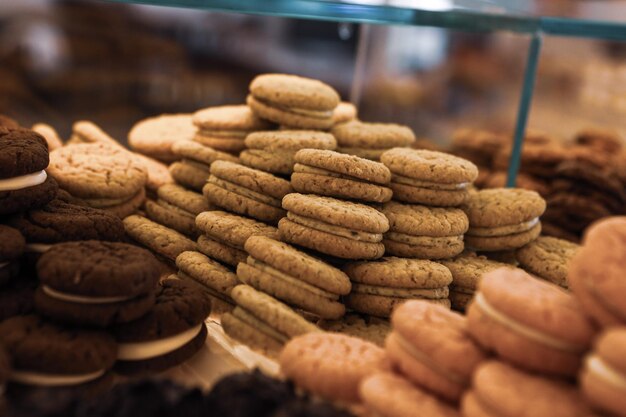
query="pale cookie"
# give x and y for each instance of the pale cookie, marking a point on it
(344, 112)
(160, 239)
(215, 279)
(548, 258)
(220, 251)
(49, 134)
(361, 137)
(371, 329)
(155, 136)
(189, 174)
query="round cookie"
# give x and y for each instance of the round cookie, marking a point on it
(359, 138)
(155, 136)
(246, 191)
(294, 277)
(379, 286)
(333, 227)
(169, 334)
(530, 323)
(24, 183)
(431, 346)
(160, 239)
(329, 173)
(177, 208)
(49, 134)
(548, 258)
(344, 112)
(84, 131)
(116, 284)
(12, 245)
(331, 365)
(274, 151)
(293, 101)
(214, 278)
(158, 172)
(499, 389)
(44, 354)
(372, 329)
(388, 395)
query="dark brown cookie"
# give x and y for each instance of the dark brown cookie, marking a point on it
(14, 201)
(17, 299)
(22, 152)
(12, 243)
(7, 122)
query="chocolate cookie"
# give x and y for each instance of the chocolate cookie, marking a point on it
(117, 282)
(370, 140)
(17, 298)
(12, 245)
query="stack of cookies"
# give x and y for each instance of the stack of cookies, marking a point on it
(371, 140)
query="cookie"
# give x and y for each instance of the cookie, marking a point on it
(529, 322)
(294, 277)
(498, 179)
(274, 151)
(595, 275)
(499, 389)
(329, 173)
(293, 101)
(331, 365)
(44, 354)
(334, 227)
(155, 136)
(158, 172)
(430, 345)
(225, 127)
(344, 112)
(24, 183)
(17, 298)
(429, 177)
(467, 270)
(169, 334)
(379, 286)
(547, 258)
(12, 245)
(215, 278)
(424, 232)
(262, 322)
(220, 251)
(177, 208)
(603, 140)
(503, 218)
(388, 395)
(158, 238)
(84, 131)
(371, 139)
(478, 146)
(117, 282)
(246, 191)
(604, 372)
(371, 329)
(49, 134)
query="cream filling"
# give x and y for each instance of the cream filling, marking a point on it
(80, 299)
(146, 350)
(195, 164)
(237, 189)
(400, 179)
(431, 293)
(524, 330)
(599, 368)
(226, 134)
(425, 241)
(429, 363)
(503, 230)
(290, 280)
(259, 325)
(335, 230)
(37, 247)
(23, 181)
(174, 208)
(52, 380)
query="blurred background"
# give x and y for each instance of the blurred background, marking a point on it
(114, 64)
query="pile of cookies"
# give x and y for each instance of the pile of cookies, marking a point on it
(582, 180)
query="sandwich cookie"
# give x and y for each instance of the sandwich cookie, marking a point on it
(371, 140)
(165, 242)
(49, 134)
(196, 159)
(274, 151)
(333, 174)
(12, 245)
(246, 191)
(429, 177)
(467, 270)
(101, 176)
(293, 101)
(596, 272)
(344, 112)
(501, 390)
(177, 208)
(548, 258)
(96, 283)
(294, 277)
(46, 355)
(334, 227)
(18, 297)
(155, 136)
(24, 183)
(388, 395)
(169, 334)
(262, 322)
(225, 127)
(331, 365)
(603, 377)
(372, 329)
(212, 277)
(529, 322)
(224, 235)
(417, 231)
(431, 346)
(503, 218)
(378, 287)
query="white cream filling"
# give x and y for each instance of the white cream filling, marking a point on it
(72, 298)
(23, 181)
(146, 350)
(503, 230)
(52, 380)
(37, 247)
(429, 184)
(596, 366)
(319, 114)
(524, 330)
